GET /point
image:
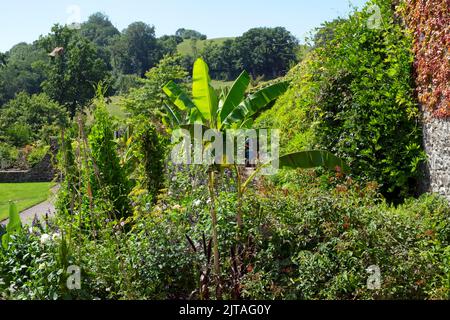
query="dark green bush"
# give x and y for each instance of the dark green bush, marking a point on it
(27, 119)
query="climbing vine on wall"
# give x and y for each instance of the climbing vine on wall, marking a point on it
(429, 20)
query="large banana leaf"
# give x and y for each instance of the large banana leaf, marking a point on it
(205, 97)
(255, 102)
(313, 159)
(14, 225)
(235, 95)
(178, 97)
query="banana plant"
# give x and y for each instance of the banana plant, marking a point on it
(233, 109)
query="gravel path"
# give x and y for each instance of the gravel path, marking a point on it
(40, 210)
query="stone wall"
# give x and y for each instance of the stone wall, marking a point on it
(437, 146)
(42, 172)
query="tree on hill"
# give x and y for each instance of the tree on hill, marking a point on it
(266, 51)
(168, 44)
(190, 34)
(99, 29)
(21, 72)
(2, 59)
(136, 50)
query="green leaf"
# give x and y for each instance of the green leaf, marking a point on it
(14, 224)
(178, 97)
(313, 159)
(256, 102)
(173, 116)
(235, 95)
(205, 97)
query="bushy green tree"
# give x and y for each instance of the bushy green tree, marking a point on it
(146, 150)
(136, 50)
(148, 99)
(190, 34)
(74, 71)
(99, 29)
(22, 72)
(26, 119)
(264, 52)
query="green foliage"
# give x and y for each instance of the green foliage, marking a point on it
(353, 96)
(37, 154)
(230, 109)
(266, 52)
(14, 225)
(73, 73)
(366, 109)
(27, 119)
(99, 29)
(8, 155)
(108, 180)
(189, 34)
(146, 155)
(316, 244)
(148, 98)
(135, 50)
(22, 72)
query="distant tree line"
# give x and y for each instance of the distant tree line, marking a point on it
(263, 52)
(67, 63)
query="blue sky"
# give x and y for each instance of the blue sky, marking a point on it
(25, 20)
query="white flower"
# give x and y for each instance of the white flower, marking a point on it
(209, 201)
(197, 203)
(56, 236)
(45, 238)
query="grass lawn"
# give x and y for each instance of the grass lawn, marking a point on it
(218, 84)
(186, 47)
(25, 195)
(115, 110)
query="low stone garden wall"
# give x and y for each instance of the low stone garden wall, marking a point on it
(42, 172)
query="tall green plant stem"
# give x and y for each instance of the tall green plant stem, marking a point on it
(239, 219)
(212, 193)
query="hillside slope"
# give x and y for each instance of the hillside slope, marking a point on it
(188, 47)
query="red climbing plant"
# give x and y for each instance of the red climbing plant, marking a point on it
(429, 20)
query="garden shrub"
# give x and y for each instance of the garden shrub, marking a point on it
(27, 119)
(37, 153)
(8, 155)
(147, 153)
(32, 267)
(319, 244)
(108, 178)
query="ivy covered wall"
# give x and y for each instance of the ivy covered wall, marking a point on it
(429, 22)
